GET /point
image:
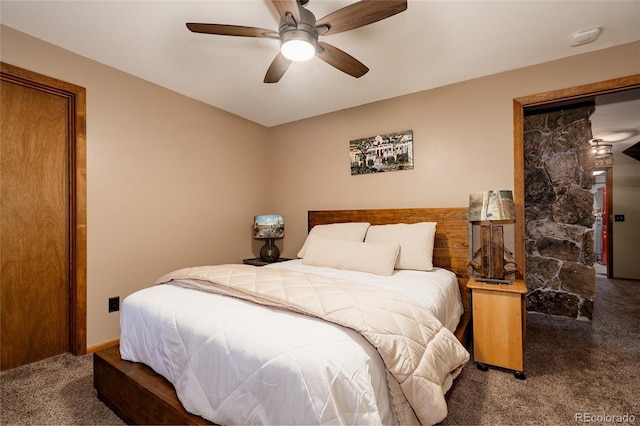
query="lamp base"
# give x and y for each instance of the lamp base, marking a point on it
(269, 251)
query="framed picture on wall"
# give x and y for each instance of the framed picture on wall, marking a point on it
(382, 153)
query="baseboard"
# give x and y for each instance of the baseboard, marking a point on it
(101, 346)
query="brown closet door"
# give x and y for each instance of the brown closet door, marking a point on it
(34, 234)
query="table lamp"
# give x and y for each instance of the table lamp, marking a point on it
(490, 210)
(268, 227)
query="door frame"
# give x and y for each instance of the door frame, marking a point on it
(519, 105)
(77, 201)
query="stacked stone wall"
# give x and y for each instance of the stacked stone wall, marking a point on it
(559, 241)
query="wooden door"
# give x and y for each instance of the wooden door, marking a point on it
(37, 225)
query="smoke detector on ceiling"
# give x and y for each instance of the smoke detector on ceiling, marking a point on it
(585, 36)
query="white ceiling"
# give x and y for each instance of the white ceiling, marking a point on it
(431, 44)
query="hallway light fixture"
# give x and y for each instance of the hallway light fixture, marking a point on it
(599, 149)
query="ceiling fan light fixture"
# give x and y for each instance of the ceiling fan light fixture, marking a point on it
(298, 31)
(298, 50)
(298, 45)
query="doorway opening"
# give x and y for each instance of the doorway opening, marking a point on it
(554, 98)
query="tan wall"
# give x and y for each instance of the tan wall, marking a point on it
(463, 142)
(172, 182)
(626, 201)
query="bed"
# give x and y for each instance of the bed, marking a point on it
(324, 393)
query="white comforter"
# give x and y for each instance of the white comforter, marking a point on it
(235, 362)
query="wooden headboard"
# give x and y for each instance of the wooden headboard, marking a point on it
(451, 247)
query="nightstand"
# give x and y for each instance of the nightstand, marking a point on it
(499, 324)
(256, 261)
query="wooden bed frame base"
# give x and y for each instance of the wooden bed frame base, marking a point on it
(140, 396)
(136, 393)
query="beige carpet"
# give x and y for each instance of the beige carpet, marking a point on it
(576, 370)
(54, 391)
(573, 368)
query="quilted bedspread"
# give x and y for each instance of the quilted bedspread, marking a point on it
(420, 354)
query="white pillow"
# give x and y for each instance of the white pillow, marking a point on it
(416, 243)
(375, 258)
(351, 231)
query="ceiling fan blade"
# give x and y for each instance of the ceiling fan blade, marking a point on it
(277, 69)
(341, 60)
(284, 6)
(232, 30)
(359, 14)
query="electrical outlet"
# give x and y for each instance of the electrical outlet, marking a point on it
(114, 304)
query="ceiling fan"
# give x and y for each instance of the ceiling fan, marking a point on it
(299, 30)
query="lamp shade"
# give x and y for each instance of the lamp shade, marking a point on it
(268, 226)
(491, 206)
